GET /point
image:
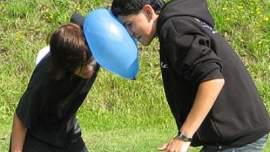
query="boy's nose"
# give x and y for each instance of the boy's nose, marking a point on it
(131, 33)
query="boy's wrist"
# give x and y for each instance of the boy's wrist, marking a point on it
(16, 150)
(181, 136)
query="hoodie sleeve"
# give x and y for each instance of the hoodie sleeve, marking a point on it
(189, 53)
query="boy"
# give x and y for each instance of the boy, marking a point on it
(211, 95)
(45, 118)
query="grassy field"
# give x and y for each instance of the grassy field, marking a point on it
(121, 115)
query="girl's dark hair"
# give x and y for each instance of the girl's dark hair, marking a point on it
(127, 7)
(69, 49)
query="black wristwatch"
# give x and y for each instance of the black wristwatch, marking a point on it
(182, 137)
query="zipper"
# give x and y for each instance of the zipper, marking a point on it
(198, 136)
(213, 124)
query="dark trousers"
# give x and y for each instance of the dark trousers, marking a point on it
(256, 146)
(32, 144)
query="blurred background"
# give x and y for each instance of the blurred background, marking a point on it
(121, 115)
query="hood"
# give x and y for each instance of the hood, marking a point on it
(193, 8)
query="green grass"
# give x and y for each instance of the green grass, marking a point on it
(121, 115)
(141, 140)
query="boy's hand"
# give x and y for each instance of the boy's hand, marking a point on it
(175, 145)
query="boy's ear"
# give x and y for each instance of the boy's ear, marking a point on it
(149, 11)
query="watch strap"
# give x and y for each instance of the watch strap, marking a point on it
(183, 137)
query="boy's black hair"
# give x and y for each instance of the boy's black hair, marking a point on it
(127, 7)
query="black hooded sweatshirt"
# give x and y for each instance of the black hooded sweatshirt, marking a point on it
(191, 52)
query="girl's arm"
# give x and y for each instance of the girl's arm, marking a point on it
(17, 135)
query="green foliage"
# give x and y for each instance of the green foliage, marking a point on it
(132, 115)
(19, 9)
(246, 27)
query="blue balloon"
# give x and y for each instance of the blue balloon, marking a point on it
(110, 43)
